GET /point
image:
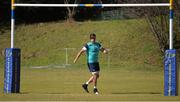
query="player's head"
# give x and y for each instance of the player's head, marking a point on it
(93, 37)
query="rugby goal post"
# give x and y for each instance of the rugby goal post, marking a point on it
(12, 65)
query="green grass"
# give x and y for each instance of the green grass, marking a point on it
(135, 71)
(65, 84)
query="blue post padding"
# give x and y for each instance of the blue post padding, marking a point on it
(98, 5)
(81, 5)
(170, 73)
(171, 14)
(93, 5)
(12, 14)
(12, 70)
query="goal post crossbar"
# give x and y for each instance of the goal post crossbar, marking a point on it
(90, 5)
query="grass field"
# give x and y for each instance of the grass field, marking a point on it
(135, 71)
(65, 84)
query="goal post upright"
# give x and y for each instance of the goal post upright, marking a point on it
(12, 61)
(12, 23)
(171, 25)
(170, 64)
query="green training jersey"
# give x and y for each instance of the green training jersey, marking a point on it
(92, 51)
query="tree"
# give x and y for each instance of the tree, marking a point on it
(158, 19)
(71, 11)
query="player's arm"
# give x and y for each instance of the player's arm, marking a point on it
(104, 50)
(79, 54)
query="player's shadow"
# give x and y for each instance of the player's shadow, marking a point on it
(136, 93)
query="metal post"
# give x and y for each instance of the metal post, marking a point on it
(66, 51)
(170, 64)
(91, 5)
(171, 26)
(66, 56)
(12, 23)
(109, 60)
(170, 41)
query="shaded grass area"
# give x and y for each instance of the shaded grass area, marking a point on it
(65, 84)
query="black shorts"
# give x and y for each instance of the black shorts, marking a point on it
(93, 67)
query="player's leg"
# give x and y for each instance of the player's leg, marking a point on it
(90, 80)
(96, 76)
(94, 68)
(85, 86)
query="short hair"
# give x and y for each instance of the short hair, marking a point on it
(92, 35)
